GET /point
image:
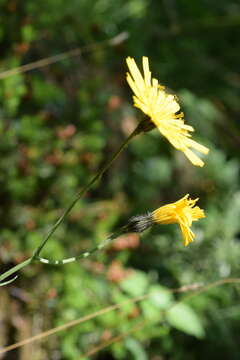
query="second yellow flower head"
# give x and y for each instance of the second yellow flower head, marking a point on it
(182, 212)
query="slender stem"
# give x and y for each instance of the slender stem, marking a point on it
(84, 190)
(13, 270)
(84, 254)
(141, 127)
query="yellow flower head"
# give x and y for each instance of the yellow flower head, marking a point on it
(163, 109)
(183, 212)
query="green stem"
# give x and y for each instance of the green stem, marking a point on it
(141, 127)
(84, 190)
(84, 254)
(13, 271)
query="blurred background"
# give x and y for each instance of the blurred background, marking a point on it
(60, 122)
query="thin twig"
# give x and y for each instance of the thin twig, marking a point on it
(142, 324)
(71, 324)
(115, 339)
(191, 287)
(118, 39)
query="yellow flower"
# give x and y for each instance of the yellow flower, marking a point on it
(183, 212)
(163, 109)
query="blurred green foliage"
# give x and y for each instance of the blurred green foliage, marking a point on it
(60, 123)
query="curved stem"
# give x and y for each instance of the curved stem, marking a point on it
(142, 126)
(84, 254)
(84, 190)
(13, 270)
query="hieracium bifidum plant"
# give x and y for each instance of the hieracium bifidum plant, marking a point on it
(163, 111)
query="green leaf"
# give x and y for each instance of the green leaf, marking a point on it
(160, 297)
(150, 311)
(28, 33)
(136, 349)
(135, 284)
(183, 318)
(119, 297)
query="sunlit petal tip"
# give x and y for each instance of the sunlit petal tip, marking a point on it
(205, 150)
(199, 163)
(145, 62)
(195, 160)
(129, 59)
